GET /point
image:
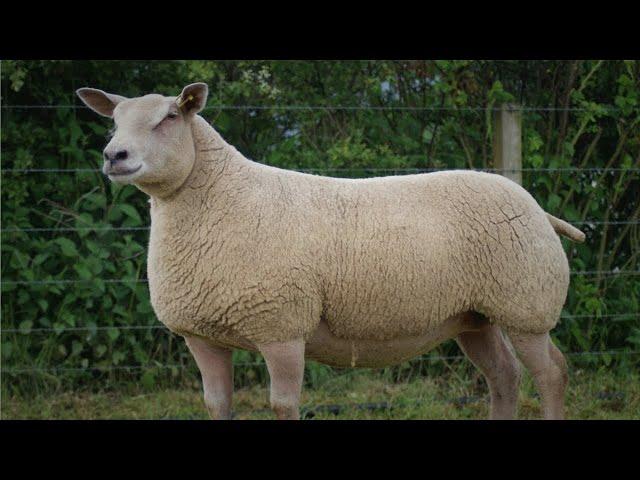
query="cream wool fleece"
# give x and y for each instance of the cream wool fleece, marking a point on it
(245, 254)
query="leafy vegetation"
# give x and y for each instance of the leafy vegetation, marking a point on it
(445, 121)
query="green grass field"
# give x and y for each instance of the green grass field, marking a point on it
(362, 395)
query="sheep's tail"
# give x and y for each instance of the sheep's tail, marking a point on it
(563, 228)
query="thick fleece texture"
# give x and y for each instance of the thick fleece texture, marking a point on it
(246, 254)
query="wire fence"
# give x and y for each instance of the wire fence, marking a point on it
(419, 361)
(144, 280)
(343, 171)
(615, 317)
(396, 171)
(477, 108)
(589, 223)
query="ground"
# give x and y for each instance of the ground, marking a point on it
(591, 395)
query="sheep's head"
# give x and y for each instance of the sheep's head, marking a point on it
(152, 144)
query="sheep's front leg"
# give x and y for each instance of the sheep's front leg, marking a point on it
(285, 362)
(216, 369)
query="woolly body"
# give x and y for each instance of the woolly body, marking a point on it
(368, 271)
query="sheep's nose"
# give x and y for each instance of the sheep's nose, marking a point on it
(114, 157)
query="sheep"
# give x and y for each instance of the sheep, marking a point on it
(348, 272)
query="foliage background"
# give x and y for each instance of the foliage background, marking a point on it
(594, 121)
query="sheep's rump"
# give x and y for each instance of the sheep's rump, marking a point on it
(407, 253)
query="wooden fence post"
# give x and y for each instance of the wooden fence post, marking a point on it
(507, 141)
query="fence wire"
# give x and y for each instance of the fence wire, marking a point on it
(407, 171)
(478, 108)
(421, 361)
(144, 280)
(613, 316)
(140, 229)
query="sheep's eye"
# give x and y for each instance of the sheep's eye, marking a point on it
(170, 116)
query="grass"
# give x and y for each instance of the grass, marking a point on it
(361, 395)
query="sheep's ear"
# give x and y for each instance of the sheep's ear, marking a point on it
(99, 101)
(193, 98)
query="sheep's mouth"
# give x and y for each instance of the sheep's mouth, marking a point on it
(119, 172)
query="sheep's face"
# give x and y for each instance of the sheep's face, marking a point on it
(152, 144)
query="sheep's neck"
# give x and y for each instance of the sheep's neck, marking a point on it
(211, 188)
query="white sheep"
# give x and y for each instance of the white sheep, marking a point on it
(349, 272)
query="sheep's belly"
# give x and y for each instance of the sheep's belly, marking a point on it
(327, 348)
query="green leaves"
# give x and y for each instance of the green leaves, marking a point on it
(16, 71)
(132, 213)
(43, 304)
(83, 272)
(25, 326)
(67, 247)
(553, 203)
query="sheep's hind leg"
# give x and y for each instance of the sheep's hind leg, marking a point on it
(216, 369)
(488, 351)
(285, 362)
(547, 367)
